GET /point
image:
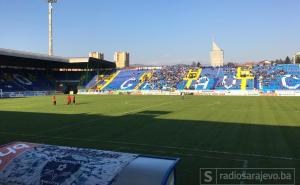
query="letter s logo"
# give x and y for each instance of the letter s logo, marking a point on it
(208, 176)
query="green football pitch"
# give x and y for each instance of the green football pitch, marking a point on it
(204, 132)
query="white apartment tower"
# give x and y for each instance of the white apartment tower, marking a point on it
(216, 55)
(121, 59)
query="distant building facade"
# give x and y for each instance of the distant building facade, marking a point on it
(121, 59)
(296, 58)
(265, 62)
(216, 55)
(96, 55)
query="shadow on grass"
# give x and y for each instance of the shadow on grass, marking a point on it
(197, 143)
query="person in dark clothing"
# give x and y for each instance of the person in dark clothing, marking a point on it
(182, 95)
(73, 99)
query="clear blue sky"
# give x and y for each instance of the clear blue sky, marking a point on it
(155, 31)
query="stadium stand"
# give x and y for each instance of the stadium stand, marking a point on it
(125, 80)
(282, 77)
(267, 78)
(27, 72)
(24, 80)
(166, 78)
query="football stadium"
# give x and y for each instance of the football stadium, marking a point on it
(87, 120)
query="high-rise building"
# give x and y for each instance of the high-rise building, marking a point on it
(216, 55)
(121, 59)
(296, 58)
(97, 55)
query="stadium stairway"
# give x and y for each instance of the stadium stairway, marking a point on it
(244, 75)
(108, 80)
(244, 84)
(191, 76)
(146, 75)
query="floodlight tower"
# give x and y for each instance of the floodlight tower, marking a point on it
(50, 33)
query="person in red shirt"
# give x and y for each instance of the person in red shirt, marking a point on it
(53, 100)
(69, 99)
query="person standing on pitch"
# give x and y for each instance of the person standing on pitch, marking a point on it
(69, 99)
(54, 100)
(73, 99)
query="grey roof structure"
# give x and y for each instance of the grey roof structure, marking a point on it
(24, 54)
(10, 57)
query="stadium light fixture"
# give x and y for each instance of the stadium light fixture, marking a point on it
(50, 32)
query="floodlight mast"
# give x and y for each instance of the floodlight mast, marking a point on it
(50, 32)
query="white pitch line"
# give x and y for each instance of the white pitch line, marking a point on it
(187, 154)
(161, 146)
(211, 151)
